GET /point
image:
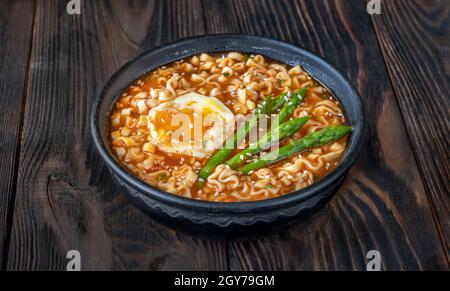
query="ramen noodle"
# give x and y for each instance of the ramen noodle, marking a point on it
(219, 90)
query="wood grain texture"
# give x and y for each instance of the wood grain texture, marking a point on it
(16, 22)
(414, 37)
(382, 205)
(66, 198)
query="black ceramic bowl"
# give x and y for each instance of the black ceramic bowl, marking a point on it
(201, 215)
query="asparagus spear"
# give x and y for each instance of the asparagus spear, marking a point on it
(279, 101)
(289, 107)
(316, 139)
(290, 102)
(268, 106)
(281, 132)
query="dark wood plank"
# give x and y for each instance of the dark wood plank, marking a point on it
(16, 22)
(382, 205)
(66, 199)
(415, 40)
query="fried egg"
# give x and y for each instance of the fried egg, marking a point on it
(192, 124)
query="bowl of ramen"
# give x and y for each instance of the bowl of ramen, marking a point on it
(228, 131)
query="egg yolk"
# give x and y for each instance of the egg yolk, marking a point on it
(181, 126)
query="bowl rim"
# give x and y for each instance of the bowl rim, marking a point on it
(350, 155)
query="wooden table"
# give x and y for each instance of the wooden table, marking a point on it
(57, 195)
